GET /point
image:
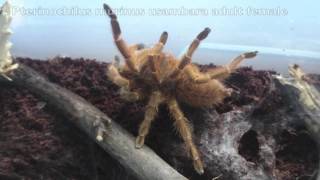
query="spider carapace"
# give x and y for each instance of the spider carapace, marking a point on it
(160, 78)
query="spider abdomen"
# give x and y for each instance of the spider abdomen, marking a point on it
(201, 94)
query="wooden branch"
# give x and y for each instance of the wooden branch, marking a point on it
(144, 164)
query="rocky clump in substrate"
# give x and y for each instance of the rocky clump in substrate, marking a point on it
(38, 143)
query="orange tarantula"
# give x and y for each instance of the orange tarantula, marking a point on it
(159, 77)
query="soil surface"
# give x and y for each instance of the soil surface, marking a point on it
(38, 143)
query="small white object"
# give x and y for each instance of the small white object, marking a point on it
(5, 45)
(99, 138)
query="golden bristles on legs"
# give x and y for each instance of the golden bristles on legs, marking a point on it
(151, 111)
(219, 72)
(184, 129)
(160, 78)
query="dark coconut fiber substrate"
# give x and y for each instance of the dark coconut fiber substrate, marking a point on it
(38, 143)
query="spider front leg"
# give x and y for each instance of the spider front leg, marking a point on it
(184, 129)
(156, 99)
(186, 58)
(224, 72)
(129, 95)
(136, 47)
(157, 48)
(120, 43)
(219, 72)
(114, 76)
